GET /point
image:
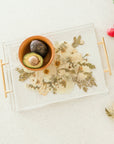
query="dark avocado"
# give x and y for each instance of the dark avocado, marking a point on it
(39, 47)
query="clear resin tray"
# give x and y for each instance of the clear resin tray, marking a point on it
(22, 98)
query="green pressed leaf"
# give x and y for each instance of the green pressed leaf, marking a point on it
(77, 41)
(72, 71)
(63, 47)
(57, 50)
(63, 83)
(91, 66)
(54, 92)
(65, 42)
(23, 75)
(34, 87)
(85, 89)
(68, 59)
(79, 85)
(86, 55)
(109, 113)
(20, 70)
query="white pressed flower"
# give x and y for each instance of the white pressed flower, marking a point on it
(36, 79)
(66, 71)
(65, 50)
(70, 49)
(63, 69)
(64, 65)
(86, 69)
(49, 72)
(74, 51)
(81, 76)
(76, 57)
(64, 54)
(69, 87)
(62, 72)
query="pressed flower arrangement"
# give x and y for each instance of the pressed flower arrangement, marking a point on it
(69, 68)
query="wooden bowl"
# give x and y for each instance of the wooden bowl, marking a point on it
(25, 48)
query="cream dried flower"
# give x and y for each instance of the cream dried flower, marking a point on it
(36, 79)
(48, 72)
(65, 50)
(43, 90)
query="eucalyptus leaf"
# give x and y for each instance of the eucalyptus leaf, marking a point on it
(23, 75)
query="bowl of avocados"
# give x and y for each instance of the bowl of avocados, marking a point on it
(36, 53)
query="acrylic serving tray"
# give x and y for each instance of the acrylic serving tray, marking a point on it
(22, 98)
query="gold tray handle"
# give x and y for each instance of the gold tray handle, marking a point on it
(3, 77)
(107, 59)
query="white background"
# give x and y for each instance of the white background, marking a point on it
(81, 121)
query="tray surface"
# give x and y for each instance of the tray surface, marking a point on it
(24, 98)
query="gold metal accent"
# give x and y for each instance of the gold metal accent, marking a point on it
(107, 59)
(3, 77)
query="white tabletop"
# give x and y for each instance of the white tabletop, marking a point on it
(81, 121)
